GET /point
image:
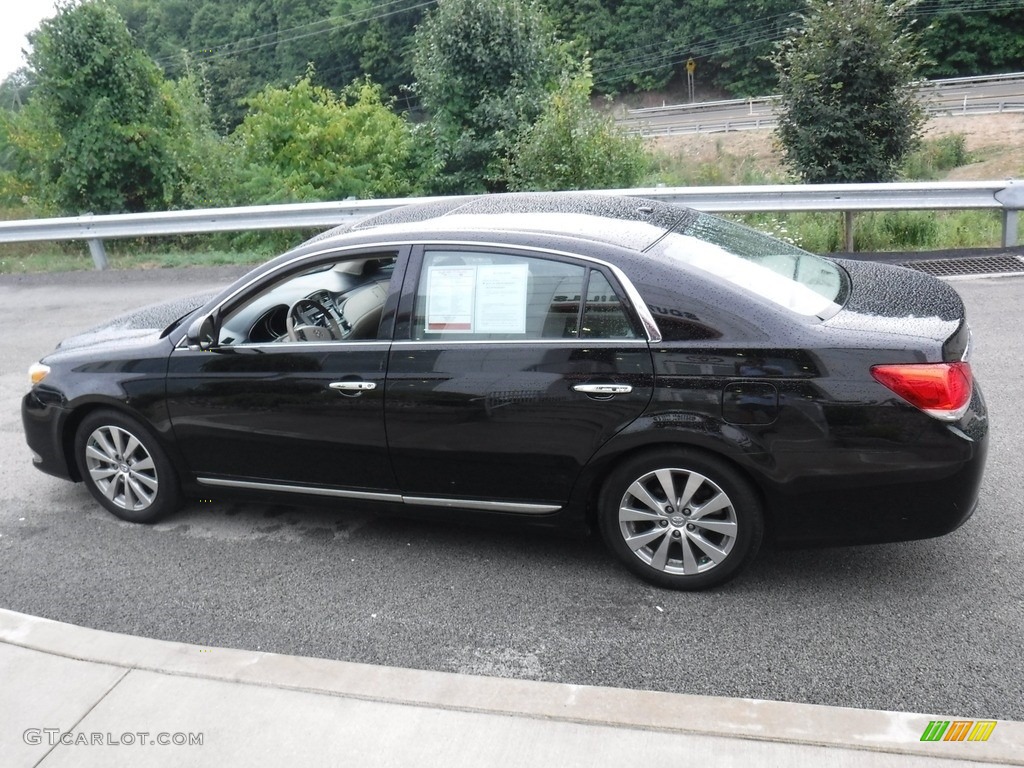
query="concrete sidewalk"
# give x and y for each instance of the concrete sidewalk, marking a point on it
(71, 696)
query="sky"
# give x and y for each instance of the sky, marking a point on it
(19, 18)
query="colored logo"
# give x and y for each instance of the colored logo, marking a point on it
(958, 730)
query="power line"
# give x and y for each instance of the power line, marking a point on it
(232, 49)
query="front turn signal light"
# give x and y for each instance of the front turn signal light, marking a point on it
(37, 372)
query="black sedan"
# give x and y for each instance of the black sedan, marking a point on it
(683, 384)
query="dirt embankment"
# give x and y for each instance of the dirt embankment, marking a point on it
(995, 143)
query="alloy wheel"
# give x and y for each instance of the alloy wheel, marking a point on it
(678, 521)
(121, 468)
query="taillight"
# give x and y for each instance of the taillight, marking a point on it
(942, 390)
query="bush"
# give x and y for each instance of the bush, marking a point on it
(935, 157)
(847, 109)
(483, 70)
(572, 146)
(304, 143)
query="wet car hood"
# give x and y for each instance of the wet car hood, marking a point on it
(137, 324)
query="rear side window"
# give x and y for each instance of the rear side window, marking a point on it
(464, 295)
(770, 268)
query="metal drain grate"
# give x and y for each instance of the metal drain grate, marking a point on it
(976, 265)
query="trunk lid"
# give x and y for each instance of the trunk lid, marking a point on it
(907, 305)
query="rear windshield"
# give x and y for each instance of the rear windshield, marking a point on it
(770, 268)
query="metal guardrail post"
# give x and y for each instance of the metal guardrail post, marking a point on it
(99, 254)
(848, 231)
(1012, 199)
(1010, 235)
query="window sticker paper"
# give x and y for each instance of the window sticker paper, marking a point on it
(501, 295)
(450, 299)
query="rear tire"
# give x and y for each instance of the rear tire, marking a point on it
(124, 467)
(680, 518)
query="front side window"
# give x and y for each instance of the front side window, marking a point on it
(333, 301)
(466, 295)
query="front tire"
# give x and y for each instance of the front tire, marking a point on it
(124, 467)
(680, 518)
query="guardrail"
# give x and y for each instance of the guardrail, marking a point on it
(766, 119)
(972, 80)
(950, 96)
(924, 86)
(1004, 196)
(669, 110)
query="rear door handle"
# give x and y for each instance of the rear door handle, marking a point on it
(352, 386)
(603, 389)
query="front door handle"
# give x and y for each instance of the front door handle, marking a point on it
(603, 389)
(352, 386)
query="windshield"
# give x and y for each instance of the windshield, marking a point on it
(770, 268)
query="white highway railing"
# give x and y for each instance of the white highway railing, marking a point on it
(1004, 196)
(950, 96)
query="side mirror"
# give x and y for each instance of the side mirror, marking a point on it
(202, 334)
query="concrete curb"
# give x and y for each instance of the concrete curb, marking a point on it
(810, 725)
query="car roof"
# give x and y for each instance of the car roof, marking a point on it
(628, 222)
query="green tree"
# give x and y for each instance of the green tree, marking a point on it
(483, 69)
(379, 38)
(101, 96)
(640, 45)
(733, 42)
(847, 111)
(973, 40)
(207, 165)
(27, 139)
(572, 146)
(305, 143)
(243, 46)
(636, 45)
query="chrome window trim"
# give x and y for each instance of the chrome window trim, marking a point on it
(639, 305)
(423, 501)
(324, 346)
(651, 329)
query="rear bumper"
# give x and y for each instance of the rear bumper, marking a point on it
(921, 508)
(903, 500)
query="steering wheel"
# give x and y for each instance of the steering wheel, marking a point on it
(302, 327)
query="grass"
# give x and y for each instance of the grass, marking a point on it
(153, 253)
(72, 259)
(54, 260)
(823, 232)
(936, 157)
(888, 231)
(718, 168)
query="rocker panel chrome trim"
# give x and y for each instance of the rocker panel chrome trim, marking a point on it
(422, 501)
